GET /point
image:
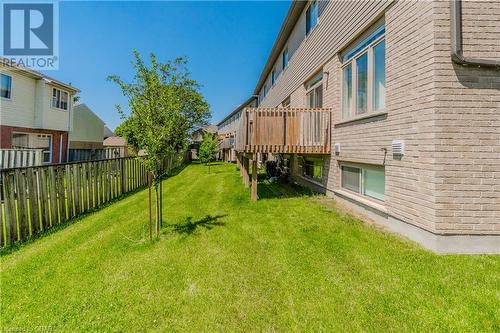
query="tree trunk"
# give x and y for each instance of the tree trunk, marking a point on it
(150, 213)
(161, 204)
(157, 211)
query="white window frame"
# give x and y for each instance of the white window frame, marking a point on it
(10, 88)
(312, 88)
(362, 168)
(60, 97)
(283, 65)
(273, 77)
(370, 86)
(311, 29)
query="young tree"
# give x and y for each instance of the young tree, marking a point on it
(208, 149)
(165, 105)
(126, 130)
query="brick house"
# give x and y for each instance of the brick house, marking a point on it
(35, 112)
(393, 109)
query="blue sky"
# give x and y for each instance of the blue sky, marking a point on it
(226, 43)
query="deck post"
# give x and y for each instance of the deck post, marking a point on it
(254, 177)
(246, 176)
(238, 163)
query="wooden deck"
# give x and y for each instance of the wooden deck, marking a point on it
(280, 130)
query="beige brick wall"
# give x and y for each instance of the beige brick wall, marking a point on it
(467, 151)
(449, 116)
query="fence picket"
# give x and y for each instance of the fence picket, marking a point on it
(44, 203)
(10, 208)
(36, 198)
(22, 208)
(33, 200)
(52, 194)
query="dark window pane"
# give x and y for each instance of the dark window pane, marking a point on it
(313, 169)
(6, 86)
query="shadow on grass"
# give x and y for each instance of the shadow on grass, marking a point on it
(6, 250)
(189, 227)
(58, 227)
(282, 189)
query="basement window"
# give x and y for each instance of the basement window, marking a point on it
(367, 181)
(312, 168)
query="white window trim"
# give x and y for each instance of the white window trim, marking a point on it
(283, 68)
(317, 21)
(313, 87)
(370, 100)
(11, 88)
(361, 181)
(52, 99)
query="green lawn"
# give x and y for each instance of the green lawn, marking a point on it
(227, 264)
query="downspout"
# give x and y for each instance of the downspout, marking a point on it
(70, 125)
(457, 52)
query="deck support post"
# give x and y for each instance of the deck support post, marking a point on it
(254, 177)
(238, 163)
(244, 169)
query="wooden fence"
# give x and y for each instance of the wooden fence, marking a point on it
(15, 158)
(36, 198)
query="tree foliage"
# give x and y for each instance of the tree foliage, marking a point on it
(208, 149)
(165, 105)
(126, 130)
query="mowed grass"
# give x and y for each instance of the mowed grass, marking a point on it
(223, 263)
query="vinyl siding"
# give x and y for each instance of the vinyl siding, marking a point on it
(448, 181)
(31, 105)
(20, 109)
(87, 126)
(325, 40)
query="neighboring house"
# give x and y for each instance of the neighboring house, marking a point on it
(115, 147)
(227, 129)
(36, 112)
(86, 136)
(107, 132)
(366, 102)
(197, 138)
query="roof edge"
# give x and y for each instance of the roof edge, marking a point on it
(37, 75)
(239, 108)
(291, 19)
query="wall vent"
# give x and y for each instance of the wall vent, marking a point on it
(336, 148)
(398, 147)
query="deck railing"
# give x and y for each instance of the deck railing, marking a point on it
(280, 130)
